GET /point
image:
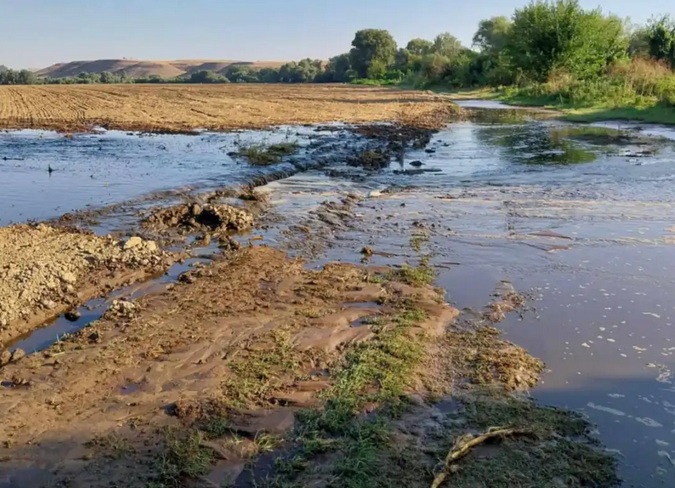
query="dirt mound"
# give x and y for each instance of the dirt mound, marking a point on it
(46, 270)
(193, 217)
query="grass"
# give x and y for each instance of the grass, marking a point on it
(111, 446)
(423, 274)
(560, 447)
(184, 457)
(257, 372)
(266, 155)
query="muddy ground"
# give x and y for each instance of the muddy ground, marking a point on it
(257, 358)
(253, 370)
(47, 270)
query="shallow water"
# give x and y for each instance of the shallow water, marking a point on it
(583, 218)
(94, 170)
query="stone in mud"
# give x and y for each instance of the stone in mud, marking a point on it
(5, 357)
(18, 354)
(151, 246)
(72, 316)
(133, 242)
(68, 278)
(367, 251)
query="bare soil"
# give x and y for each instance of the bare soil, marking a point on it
(183, 108)
(47, 270)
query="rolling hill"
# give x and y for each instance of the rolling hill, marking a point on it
(137, 68)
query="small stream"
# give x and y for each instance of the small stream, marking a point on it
(582, 218)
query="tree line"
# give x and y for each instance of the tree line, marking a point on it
(543, 43)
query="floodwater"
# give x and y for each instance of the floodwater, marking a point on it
(99, 169)
(581, 218)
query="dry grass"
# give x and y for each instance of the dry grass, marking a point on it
(217, 107)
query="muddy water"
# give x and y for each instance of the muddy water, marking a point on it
(580, 218)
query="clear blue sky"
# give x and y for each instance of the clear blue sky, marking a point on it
(36, 33)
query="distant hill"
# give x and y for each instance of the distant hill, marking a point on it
(137, 69)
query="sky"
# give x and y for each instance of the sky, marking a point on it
(38, 33)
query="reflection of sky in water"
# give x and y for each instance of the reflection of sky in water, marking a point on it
(110, 167)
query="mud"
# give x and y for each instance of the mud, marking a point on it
(208, 219)
(45, 271)
(254, 330)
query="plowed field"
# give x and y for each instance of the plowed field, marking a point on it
(186, 107)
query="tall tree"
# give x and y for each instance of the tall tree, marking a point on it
(492, 34)
(447, 45)
(373, 51)
(661, 39)
(420, 47)
(548, 35)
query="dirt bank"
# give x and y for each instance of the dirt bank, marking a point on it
(299, 375)
(184, 108)
(45, 271)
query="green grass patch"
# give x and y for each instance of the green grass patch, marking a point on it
(423, 274)
(257, 372)
(266, 155)
(184, 457)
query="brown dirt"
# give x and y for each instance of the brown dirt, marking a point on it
(217, 107)
(46, 270)
(193, 217)
(254, 330)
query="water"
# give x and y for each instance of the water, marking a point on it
(582, 218)
(94, 170)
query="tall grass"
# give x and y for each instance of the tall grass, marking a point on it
(639, 82)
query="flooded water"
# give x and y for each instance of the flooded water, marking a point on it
(93, 170)
(582, 218)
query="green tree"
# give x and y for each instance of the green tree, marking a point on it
(419, 47)
(373, 50)
(661, 39)
(338, 69)
(492, 34)
(241, 73)
(268, 75)
(447, 45)
(108, 77)
(26, 77)
(548, 35)
(207, 76)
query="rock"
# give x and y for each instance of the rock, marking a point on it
(48, 304)
(68, 278)
(72, 315)
(18, 354)
(151, 246)
(5, 357)
(133, 242)
(416, 164)
(367, 251)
